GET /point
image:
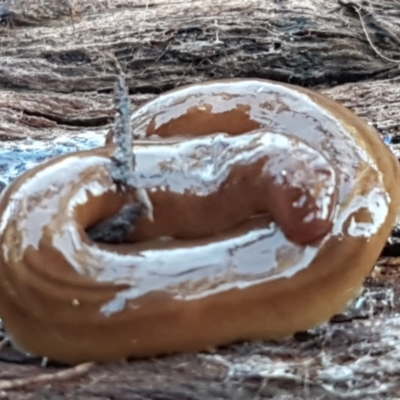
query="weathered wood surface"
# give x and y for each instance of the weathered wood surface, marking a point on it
(58, 65)
(58, 76)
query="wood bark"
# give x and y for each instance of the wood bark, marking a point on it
(59, 61)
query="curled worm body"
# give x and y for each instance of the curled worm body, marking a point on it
(271, 204)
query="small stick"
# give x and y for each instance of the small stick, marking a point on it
(124, 157)
(44, 379)
(116, 228)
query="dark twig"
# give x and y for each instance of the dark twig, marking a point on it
(116, 228)
(123, 159)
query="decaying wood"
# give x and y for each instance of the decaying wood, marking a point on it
(58, 76)
(58, 66)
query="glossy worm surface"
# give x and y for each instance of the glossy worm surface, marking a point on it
(271, 205)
